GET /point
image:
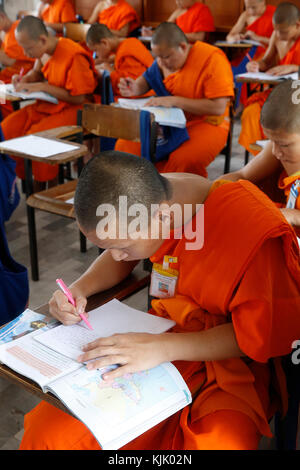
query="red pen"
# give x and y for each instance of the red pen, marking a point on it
(69, 295)
(248, 57)
(21, 72)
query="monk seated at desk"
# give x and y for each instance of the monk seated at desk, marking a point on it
(64, 70)
(12, 57)
(282, 57)
(54, 13)
(196, 78)
(280, 120)
(230, 323)
(131, 57)
(117, 15)
(254, 23)
(194, 18)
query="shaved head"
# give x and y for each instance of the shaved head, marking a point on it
(33, 26)
(112, 174)
(286, 13)
(168, 34)
(282, 108)
(97, 32)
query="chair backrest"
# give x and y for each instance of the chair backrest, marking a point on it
(75, 31)
(116, 123)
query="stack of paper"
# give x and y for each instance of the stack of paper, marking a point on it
(37, 95)
(173, 117)
(268, 77)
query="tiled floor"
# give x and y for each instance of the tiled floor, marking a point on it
(58, 245)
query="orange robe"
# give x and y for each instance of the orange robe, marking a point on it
(132, 60)
(13, 50)
(251, 129)
(285, 183)
(197, 18)
(231, 397)
(70, 67)
(119, 15)
(60, 11)
(208, 134)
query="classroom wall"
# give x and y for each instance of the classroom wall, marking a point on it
(13, 6)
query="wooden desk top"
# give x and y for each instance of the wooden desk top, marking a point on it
(79, 151)
(233, 44)
(121, 291)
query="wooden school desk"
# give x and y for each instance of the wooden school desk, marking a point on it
(120, 292)
(59, 159)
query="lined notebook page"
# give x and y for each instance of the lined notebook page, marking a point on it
(36, 146)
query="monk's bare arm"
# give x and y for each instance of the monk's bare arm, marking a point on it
(142, 351)
(172, 18)
(238, 28)
(213, 107)
(5, 60)
(123, 32)
(193, 37)
(94, 16)
(262, 166)
(270, 58)
(292, 216)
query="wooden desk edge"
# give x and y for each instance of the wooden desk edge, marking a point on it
(121, 291)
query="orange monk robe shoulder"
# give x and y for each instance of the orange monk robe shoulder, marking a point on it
(70, 67)
(197, 18)
(59, 11)
(119, 15)
(132, 60)
(211, 78)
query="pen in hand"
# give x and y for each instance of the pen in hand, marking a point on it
(69, 295)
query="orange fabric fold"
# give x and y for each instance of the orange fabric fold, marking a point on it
(71, 68)
(132, 60)
(201, 82)
(60, 11)
(197, 18)
(119, 15)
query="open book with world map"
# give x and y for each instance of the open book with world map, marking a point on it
(115, 411)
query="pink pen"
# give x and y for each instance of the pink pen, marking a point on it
(69, 295)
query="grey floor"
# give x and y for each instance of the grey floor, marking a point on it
(58, 245)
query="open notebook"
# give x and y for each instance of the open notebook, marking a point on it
(115, 411)
(267, 76)
(9, 89)
(173, 117)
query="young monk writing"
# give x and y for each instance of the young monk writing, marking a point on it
(280, 120)
(12, 57)
(193, 17)
(282, 57)
(254, 23)
(117, 15)
(228, 324)
(188, 77)
(131, 57)
(63, 69)
(54, 13)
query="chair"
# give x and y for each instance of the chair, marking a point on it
(75, 31)
(227, 150)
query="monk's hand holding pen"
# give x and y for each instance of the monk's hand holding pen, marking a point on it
(61, 309)
(127, 87)
(252, 66)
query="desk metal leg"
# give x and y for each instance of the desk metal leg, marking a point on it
(31, 223)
